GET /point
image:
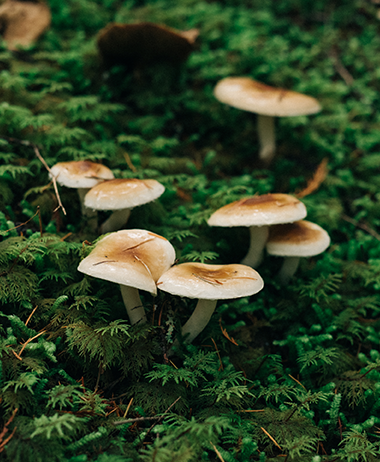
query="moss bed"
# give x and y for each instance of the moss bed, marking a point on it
(289, 374)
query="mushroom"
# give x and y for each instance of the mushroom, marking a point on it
(293, 241)
(258, 213)
(133, 258)
(83, 175)
(266, 101)
(121, 195)
(23, 22)
(208, 283)
(143, 44)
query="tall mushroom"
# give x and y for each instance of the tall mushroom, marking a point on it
(258, 213)
(133, 258)
(208, 283)
(293, 241)
(120, 196)
(267, 102)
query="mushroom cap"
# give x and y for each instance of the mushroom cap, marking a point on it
(210, 282)
(143, 44)
(267, 209)
(122, 193)
(132, 257)
(81, 173)
(300, 239)
(253, 96)
(23, 22)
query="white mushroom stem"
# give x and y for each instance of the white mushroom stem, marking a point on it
(259, 237)
(289, 267)
(198, 320)
(90, 215)
(115, 221)
(267, 137)
(132, 302)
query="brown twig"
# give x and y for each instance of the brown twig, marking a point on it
(29, 340)
(60, 205)
(362, 226)
(30, 316)
(316, 180)
(217, 352)
(271, 437)
(224, 332)
(39, 156)
(4, 431)
(128, 407)
(38, 212)
(129, 162)
(142, 419)
(217, 452)
(342, 71)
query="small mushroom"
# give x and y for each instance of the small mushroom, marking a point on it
(208, 283)
(266, 101)
(133, 258)
(293, 241)
(121, 195)
(82, 175)
(258, 213)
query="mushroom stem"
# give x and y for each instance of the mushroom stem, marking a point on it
(267, 138)
(132, 302)
(199, 319)
(289, 267)
(90, 215)
(259, 237)
(115, 221)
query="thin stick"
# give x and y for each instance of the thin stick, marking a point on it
(142, 419)
(129, 405)
(366, 228)
(252, 410)
(26, 222)
(297, 381)
(5, 430)
(217, 352)
(30, 316)
(129, 162)
(37, 153)
(29, 340)
(217, 452)
(271, 437)
(60, 206)
(163, 415)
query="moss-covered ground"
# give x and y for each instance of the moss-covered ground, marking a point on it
(289, 374)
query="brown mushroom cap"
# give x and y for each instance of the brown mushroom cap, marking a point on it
(267, 209)
(23, 22)
(210, 282)
(132, 257)
(300, 239)
(81, 174)
(144, 44)
(122, 193)
(253, 96)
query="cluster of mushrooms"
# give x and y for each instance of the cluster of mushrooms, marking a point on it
(138, 259)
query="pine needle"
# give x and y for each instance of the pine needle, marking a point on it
(224, 332)
(217, 452)
(316, 180)
(271, 437)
